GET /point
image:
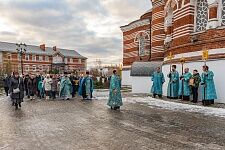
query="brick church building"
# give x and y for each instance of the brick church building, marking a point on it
(182, 27)
(40, 59)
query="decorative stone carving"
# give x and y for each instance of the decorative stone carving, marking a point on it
(202, 15)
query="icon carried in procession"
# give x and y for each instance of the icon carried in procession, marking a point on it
(205, 55)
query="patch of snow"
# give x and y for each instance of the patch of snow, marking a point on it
(219, 112)
(169, 105)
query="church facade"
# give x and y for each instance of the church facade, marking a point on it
(183, 28)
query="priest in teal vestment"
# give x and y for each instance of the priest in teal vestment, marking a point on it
(173, 85)
(86, 87)
(158, 80)
(115, 98)
(65, 87)
(184, 87)
(208, 87)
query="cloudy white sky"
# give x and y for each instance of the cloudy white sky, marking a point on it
(89, 26)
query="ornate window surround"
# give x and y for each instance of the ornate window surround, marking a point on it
(220, 9)
(195, 19)
(142, 38)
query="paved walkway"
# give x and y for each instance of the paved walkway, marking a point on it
(90, 125)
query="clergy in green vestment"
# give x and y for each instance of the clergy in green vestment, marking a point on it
(65, 87)
(184, 87)
(158, 80)
(86, 87)
(115, 98)
(208, 87)
(173, 85)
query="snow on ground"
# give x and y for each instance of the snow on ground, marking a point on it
(219, 112)
(152, 102)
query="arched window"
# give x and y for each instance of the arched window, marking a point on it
(223, 13)
(202, 15)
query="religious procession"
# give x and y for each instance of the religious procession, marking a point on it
(186, 86)
(58, 86)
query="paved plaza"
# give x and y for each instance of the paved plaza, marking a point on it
(90, 125)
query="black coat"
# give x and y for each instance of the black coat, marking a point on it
(26, 81)
(32, 85)
(6, 82)
(13, 85)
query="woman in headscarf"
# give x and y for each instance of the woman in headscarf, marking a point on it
(16, 90)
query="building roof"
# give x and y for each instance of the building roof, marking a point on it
(144, 69)
(135, 24)
(31, 49)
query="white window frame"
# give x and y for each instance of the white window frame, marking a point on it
(9, 55)
(33, 57)
(27, 57)
(79, 61)
(40, 68)
(40, 58)
(47, 58)
(27, 68)
(34, 68)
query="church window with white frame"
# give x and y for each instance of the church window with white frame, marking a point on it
(223, 13)
(202, 15)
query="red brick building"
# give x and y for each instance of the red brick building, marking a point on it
(185, 28)
(41, 59)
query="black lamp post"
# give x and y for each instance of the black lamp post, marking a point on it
(21, 49)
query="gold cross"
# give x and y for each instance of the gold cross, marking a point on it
(170, 56)
(182, 60)
(205, 54)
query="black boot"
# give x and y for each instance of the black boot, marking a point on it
(16, 105)
(19, 104)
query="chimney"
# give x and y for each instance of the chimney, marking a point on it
(42, 46)
(54, 48)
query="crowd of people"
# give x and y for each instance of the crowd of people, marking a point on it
(63, 86)
(186, 86)
(66, 86)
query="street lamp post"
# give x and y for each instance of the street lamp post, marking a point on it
(21, 48)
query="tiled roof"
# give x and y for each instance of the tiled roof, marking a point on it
(144, 69)
(31, 49)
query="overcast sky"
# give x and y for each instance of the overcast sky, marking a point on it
(89, 26)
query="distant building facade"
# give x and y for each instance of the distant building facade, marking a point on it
(41, 59)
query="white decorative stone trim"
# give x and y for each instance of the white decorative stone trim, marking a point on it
(135, 24)
(198, 53)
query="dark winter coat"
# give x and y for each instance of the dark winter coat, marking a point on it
(55, 85)
(26, 81)
(197, 80)
(6, 82)
(32, 85)
(14, 85)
